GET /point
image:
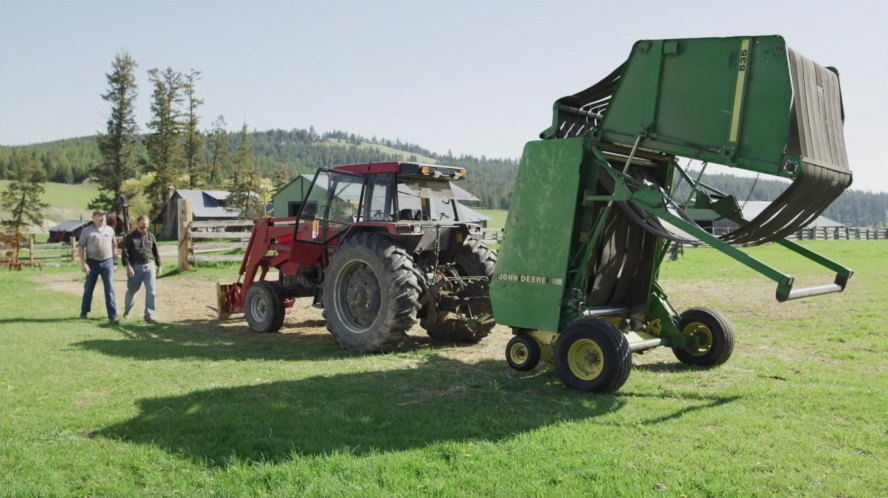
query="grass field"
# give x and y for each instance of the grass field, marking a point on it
(497, 217)
(66, 202)
(799, 410)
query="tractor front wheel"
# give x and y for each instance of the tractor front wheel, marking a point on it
(264, 307)
(710, 338)
(370, 294)
(593, 356)
(523, 353)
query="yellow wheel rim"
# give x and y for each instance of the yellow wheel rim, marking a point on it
(585, 359)
(699, 338)
(518, 353)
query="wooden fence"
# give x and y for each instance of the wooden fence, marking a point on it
(39, 255)
(841, 233)
(202, 241)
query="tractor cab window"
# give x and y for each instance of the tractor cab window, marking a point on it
(378, 199)
(335, 205)
(344, 198)
(429, 200)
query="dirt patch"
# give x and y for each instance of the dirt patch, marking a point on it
(190, 301)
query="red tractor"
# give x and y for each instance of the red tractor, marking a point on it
(380, 247)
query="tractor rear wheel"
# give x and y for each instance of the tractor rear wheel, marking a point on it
(593, 356)
(370, 294)
(264, 307)
(710, 338)
(472, 258)
(523, 353)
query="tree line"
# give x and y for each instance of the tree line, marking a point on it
(174, 150)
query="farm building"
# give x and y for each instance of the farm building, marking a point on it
(205, 205)
(290, 197)
(66, 229)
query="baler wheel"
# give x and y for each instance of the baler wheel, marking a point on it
(371, 294)
(710, 338)
(264, 307)
(523, 353)
(593, 356)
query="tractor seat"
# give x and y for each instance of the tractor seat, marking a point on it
(410, 214)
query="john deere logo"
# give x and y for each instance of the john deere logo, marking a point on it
(529, 279)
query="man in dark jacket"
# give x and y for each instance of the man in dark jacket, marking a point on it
(142, 266)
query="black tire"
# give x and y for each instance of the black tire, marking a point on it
(371, 294)
(593, 356)
(523, 353)
(710, 335)
(279, 317)
(264, 307)
(472, 258)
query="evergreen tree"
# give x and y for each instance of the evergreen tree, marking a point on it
(120, 141)
(22, 198)
(218, 153)
(193, 146)
(245, 182)
(163, 143)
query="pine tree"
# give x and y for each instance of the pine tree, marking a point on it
(164, 146)
(218, 152)
(245, 183)
(193, 146)
(120, 141)
(22, 198)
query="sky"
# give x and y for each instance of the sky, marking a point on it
(471, 77)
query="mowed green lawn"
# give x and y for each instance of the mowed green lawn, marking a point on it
(799, 410)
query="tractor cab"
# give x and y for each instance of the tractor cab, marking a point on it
(405, 200)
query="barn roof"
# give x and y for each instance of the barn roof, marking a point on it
(70, 225)
(208, 203)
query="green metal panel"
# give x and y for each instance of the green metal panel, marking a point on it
(532, 261)
(726, 100)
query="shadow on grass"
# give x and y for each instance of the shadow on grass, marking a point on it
(74, 318)
(357, 413)
(198, 339)
(701, 402)
(205, 339)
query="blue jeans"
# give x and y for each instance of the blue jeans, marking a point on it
(105, 269)
(146, 274)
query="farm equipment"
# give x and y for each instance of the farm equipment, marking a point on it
(379, 247)
(592, 215)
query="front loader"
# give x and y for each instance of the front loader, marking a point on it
(592, 215)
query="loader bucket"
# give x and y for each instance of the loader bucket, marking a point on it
(227, 299)
(745, 102)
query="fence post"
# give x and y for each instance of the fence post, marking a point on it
(185, 243)
(31, 249)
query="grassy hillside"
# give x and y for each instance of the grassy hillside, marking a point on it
(66, 202)
(383, 149)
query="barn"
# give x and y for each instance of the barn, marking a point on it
(205, 205)
(67, 229)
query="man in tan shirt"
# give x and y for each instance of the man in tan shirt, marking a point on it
(98, 255)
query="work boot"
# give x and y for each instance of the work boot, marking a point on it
(151, 321)
(83, 316)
